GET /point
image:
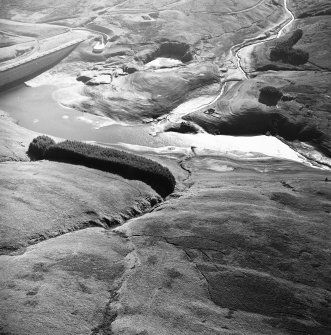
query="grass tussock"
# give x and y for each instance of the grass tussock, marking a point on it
(122, 163)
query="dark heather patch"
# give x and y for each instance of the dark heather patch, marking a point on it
(90, 265)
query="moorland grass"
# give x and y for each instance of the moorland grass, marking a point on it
(125, 164)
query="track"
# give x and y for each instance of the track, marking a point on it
(289, 23)
(113, 10)
(254, 41)
(247, 43)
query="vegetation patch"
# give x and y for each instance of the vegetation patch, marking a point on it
(270, 95)
(284, 51)
(184, 127)
(127, 165)
(38, 147)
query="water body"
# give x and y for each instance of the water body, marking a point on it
(35, 108)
